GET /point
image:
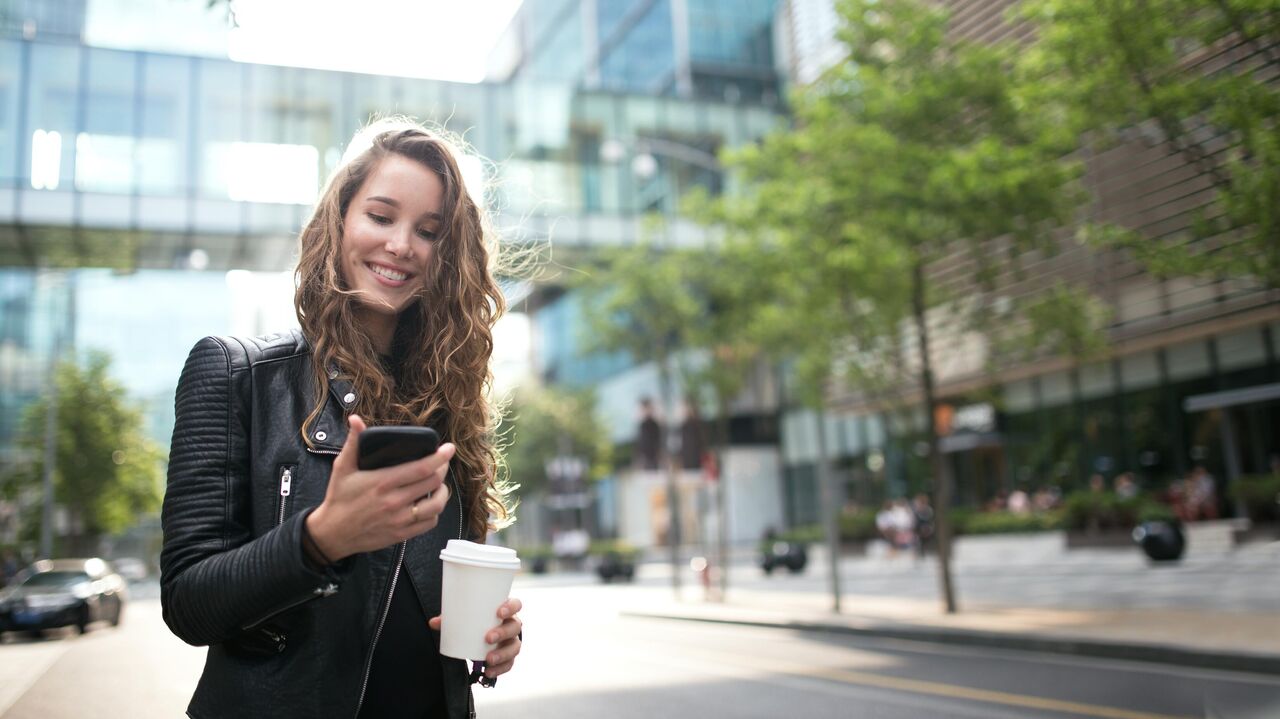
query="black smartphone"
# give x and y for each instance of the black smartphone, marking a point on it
(388, 446)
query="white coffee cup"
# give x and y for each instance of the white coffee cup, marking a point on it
(477, 580)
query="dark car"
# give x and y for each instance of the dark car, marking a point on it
(63, 593)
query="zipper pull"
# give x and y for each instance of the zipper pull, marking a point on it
(286, 482)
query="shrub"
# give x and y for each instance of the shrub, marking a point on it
(1006, 522)
(1260, 494)
(601, 547)
(1094, 511)
(858, 525)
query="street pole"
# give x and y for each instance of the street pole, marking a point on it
(673, 494)
(50, 445)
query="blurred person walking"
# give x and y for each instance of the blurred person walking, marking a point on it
(312, 581)
(923, 513)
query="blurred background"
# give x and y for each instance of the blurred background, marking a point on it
(823, 285)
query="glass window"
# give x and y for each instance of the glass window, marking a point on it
(106, 144)
(1139, 371)
(1055, 389)
(1019, 396)
(164, 165)
(282, 161)
(10, 86)
(220, 126)
(560, 49)
(372, 96)
(1186, 361)
(643, 59)
(51, 116)
(1241, 349)
(1096, 380)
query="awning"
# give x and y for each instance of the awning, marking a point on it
(966, 441)
(1232, 397)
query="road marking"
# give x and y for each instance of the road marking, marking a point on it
(953, 691)
(983, 695)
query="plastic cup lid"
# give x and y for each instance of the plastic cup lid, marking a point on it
(480, 555)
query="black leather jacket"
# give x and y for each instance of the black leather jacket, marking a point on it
(284, 640)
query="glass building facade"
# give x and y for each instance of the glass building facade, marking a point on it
(144, 162)
(710, 49)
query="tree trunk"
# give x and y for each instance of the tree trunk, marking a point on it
(830, 510)
(941, 483)
(721, 484)
(673, 493)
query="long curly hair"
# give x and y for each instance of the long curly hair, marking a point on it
(443, 341)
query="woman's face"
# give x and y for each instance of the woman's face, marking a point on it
(389, 235)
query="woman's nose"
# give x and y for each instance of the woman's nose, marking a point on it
(400, 244)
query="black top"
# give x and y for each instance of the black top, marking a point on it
(405, 681)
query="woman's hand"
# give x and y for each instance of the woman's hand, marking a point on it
(506, 635)
(371, 509)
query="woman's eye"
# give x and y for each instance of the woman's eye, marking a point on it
(427, 235)
(379, 219)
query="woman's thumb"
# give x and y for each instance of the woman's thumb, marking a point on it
(347, 458)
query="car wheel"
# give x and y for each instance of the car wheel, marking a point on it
(82, 622)
(116, 616)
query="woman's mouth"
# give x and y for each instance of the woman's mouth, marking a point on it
(394, 277)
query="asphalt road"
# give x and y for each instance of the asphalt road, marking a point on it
(582, 659)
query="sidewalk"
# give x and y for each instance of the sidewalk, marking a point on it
(1218, 608)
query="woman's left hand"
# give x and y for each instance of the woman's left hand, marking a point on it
(506, 635)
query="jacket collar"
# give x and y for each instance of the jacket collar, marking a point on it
(329, 432)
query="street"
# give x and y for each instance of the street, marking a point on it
(582, 658)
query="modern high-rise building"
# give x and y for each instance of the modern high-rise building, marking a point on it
(708, 49)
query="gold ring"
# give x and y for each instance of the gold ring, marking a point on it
(414, 509)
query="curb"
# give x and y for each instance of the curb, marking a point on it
(1152, 653)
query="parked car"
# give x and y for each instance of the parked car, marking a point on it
(61, 593)
(131, 568)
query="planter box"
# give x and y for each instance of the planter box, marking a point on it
(1101, 539)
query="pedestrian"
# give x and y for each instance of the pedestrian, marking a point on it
(1202, 493)
(315, 585)
(923, 512)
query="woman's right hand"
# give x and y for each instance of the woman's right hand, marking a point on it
(365, 510)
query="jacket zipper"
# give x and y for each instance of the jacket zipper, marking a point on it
(386, 609)
(286, 489)
(377, 634)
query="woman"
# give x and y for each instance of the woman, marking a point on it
(310, 581)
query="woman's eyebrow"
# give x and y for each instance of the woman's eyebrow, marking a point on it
(396, 204)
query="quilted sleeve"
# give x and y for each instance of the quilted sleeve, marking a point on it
(216, 577)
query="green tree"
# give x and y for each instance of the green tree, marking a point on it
(1195, 75)
(107, 472)
(541, 424)
(920, 146)
(637, 300)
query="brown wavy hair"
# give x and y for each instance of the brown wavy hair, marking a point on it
(443, 341)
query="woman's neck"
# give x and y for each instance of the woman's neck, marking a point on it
(381, 328)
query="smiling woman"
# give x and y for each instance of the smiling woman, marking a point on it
(278, 548)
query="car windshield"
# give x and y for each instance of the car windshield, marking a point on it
(55, 579)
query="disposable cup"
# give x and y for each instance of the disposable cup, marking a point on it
(477, 580)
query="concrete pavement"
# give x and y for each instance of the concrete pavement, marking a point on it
(1217, 608)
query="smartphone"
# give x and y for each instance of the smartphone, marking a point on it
(388, 446)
